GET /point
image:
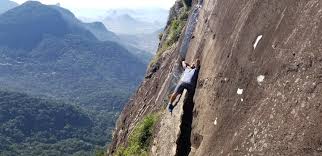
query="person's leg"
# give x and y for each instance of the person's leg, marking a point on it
(178, 90)
(190, 89)
(173, 97)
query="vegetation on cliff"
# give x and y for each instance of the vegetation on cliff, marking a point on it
(140, 139)
(173, 31)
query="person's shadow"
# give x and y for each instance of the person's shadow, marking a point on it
(184, 142)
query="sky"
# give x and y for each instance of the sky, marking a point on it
(107, 4)
(95, 9)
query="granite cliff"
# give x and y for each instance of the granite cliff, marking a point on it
(259, 87)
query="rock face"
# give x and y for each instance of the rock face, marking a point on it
(259, 87)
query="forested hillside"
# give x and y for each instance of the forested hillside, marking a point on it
(32, 126)
(51, 54)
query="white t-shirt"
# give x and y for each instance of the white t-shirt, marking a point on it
(188, 75)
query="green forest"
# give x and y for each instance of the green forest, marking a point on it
(34, 126)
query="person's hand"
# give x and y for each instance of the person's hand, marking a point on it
(197, 62)
(184, 64)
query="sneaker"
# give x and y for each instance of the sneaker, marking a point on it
(170, 108)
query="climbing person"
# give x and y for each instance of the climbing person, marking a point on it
(187, 81)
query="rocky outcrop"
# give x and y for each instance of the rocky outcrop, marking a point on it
(259, 87)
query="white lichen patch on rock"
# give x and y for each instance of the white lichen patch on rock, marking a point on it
(260, 78)
(257, 41)
(240, 91)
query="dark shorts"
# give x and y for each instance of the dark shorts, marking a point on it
(181, 86)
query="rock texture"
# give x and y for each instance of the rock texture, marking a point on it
(259, 87)
(169, 130)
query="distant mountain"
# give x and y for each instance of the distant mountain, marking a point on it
(20, 31)
(150, 15)
(33, 126)
(45, 51)
(6, 5)
(100, 31)
(125, 24)
(96, 28)
(137, 28)
(148, 42)
(103, 34)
